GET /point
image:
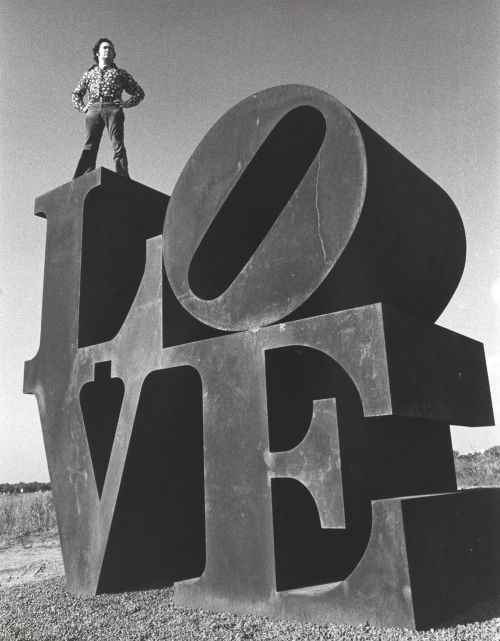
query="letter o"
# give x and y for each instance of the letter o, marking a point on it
(285, 186)
(308, 235)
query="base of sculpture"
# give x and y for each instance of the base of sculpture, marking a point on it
(428, 558)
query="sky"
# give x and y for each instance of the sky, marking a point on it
(424, 74)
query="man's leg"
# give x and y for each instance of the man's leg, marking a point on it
(115, 118)
(94, 125)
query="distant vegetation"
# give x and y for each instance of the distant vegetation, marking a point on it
(24, 488)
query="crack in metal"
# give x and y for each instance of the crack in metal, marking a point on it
(318, 215)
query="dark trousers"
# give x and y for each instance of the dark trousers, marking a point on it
(98, 116)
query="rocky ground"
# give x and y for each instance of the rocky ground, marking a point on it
(34, 606)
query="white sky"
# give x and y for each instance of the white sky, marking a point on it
(423, 73)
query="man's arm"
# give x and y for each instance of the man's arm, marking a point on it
(78, 93)
(131, 87)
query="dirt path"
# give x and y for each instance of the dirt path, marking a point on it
(32, 559)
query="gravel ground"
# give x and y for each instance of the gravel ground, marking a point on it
(44, 611)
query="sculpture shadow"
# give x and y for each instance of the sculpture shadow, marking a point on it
(158, 531)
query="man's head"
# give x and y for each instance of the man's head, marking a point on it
(104, 50)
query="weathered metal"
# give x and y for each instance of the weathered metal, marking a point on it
(111, 462)
(361, 224)
(382, 456)
(263, 470)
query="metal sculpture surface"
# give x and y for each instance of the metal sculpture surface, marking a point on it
(265, 421)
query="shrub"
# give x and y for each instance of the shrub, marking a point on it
(479, 468)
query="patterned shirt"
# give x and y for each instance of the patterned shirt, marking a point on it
(108, 82)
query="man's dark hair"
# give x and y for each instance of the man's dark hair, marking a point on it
(95, 49)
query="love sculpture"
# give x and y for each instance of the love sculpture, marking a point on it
(263, 419)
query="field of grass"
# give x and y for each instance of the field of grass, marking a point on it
(26, 514)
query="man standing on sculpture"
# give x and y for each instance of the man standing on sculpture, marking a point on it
(104, 82)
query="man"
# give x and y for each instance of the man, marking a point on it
(105, 82)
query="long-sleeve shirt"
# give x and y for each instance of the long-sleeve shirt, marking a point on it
(107, 83)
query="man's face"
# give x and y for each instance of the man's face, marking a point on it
(106, 52)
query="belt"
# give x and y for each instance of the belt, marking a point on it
(102, 99)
